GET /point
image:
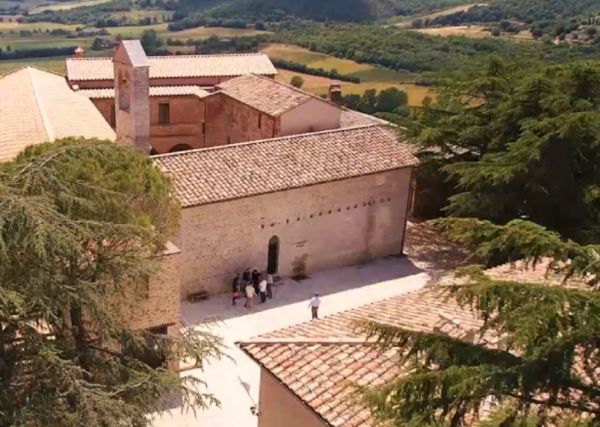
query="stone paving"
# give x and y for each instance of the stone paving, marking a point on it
(234, 381)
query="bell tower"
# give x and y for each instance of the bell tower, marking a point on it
(132, 95)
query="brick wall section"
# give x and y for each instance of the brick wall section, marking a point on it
(319, 227)
(230, 120)
(186, 115)
(161, 307)
(280, 407)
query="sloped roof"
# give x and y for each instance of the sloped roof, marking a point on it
(265, 94)
(154, 91)
(38, 106)
(319, 360)
(173, 66)
(241, 170)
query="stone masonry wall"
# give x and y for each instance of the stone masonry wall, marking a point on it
(161, 305)
(319, 227)
(230, 121)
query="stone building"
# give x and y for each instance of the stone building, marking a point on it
(270, 177)
(291, 205)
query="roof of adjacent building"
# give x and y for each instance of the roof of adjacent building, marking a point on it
(154, 91)
(230, 172)
(541, 272)
(173, 66)
(38, 106)
(320, 360)
(265, 94)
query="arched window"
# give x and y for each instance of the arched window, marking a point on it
(180, 147)
(273, 255)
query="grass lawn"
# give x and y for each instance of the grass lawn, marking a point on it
(319, 85)
(52, 64)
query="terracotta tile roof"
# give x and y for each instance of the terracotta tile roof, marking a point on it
(265, 94)
(38, 106)
(226, 65)
(321, 374)
(351, 118)
(541, 272)
(154, 91)
(241, 170)
(320, 360)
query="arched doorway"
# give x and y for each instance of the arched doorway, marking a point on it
(180, 147)
(273, 255)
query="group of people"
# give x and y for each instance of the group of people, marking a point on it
(250, 284)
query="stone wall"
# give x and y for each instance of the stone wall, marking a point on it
(278, 406)
(319, 227)
(160, 305)
(229, 121)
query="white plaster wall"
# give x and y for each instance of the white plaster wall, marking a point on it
(313, 115)
(319, 227)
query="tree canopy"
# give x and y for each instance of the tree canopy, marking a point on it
(82, 224)
(518, 144)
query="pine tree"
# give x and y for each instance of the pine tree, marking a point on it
(81, 225)
(518, 144)
(545, 369)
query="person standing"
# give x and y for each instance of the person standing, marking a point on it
(314, 304)
(249, 295)
(262, 287)
(255, 280)
(237, 284)
(269, 286)
(246, 277)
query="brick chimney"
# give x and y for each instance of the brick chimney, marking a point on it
(79, 52)
(132, 95)
(334, 94)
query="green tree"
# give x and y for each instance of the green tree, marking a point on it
(297, 81)
(390, 99)
(150, 41)
(520, 144)
(82, 223)
(544, 368)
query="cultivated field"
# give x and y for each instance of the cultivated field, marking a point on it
(319, 85)
(472, 31)
(67, 5)
(51, 64)
(405, 21)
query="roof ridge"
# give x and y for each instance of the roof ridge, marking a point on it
(262, 141)
(42, 112)
(208, 55)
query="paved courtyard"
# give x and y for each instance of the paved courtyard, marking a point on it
(234, 381)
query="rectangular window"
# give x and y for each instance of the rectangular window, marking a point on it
(113, 116)
(163, 114)
(259, 120)
(203, 128)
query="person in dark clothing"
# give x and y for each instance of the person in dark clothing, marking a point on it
(255, 280)
(246, 276)
(237, 284)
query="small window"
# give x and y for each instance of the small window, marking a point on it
(163, 114)
(113, 116)
(259, 120)
(123, 91)
(228, 140)
(203, 128)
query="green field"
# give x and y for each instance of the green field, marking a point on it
(51, 64)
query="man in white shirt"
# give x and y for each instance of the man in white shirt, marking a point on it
(314, 304)
(262, 288)
(269, 286)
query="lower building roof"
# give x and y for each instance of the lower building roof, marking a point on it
(321, 360)
(107, 93)
(234, 171)
(38, 106)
